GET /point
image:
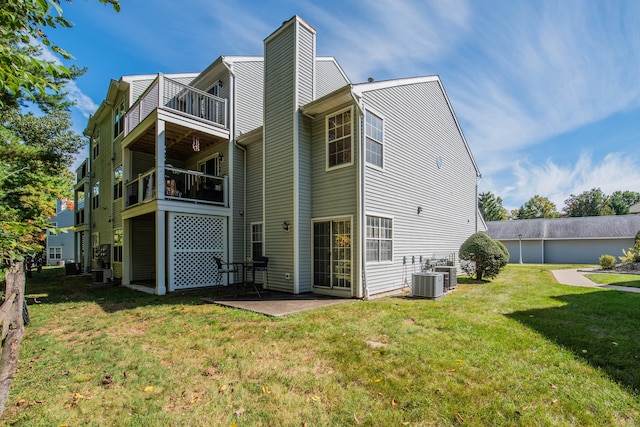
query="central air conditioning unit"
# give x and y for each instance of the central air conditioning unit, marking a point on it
(427, 285)
(101, 275)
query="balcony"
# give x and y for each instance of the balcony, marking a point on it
(178, 98)
(181, 185)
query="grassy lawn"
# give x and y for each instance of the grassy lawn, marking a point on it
(630, 280)
(521, 350)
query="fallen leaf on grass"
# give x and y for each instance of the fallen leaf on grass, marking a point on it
(377, 380)
(451, 370)
(614, 343)
(194, 400)
(554, 401)
(222, 388)
(239, 412)
(209, 372)
(553, 386)
(459, 417)
(108, 379)
(265, 389)
(148, 389)
(355, 417)
(394, 402)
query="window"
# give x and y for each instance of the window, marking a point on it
(215, 90)
(210, 166)
(52, 231)
(117, 186)
(339, 147)
(374, 139)
(55, 252)
(95, 197)
(379, 239)
(256, 240)
(95, 144)
(117, 244)
(118, 119)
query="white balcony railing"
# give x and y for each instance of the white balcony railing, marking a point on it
(180, 185)
(173, 95)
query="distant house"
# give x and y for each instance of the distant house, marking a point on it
(338, 184)
(579, 240)
(60, 246)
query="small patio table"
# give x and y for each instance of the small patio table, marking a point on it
(245, 265)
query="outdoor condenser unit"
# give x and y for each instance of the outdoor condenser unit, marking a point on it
(427, 285)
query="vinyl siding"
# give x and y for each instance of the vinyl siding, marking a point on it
(306, 65)
(334, 192)
(249, 95)
(570, 251)
(138, 87)
(278, 156)
(418, 128)
(253, 210)
(328, 77)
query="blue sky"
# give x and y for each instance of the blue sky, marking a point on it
(547, 92)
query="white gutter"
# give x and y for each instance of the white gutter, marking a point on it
(232, 126)
(361, 199)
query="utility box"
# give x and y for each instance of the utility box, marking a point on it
(453, 276)
(427, 285)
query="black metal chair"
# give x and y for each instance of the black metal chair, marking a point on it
(222, 268)
(261, 263)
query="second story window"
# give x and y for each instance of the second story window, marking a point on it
(118, 119)
(339, 145)
(95, 144)
(373, 131)
(95, 196)
(117, 183)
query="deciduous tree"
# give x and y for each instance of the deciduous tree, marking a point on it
(588, 203)
(537, 207)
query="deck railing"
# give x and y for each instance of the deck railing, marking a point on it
(182, 185)
(173, 95)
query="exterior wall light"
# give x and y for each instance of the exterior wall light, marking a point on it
(285, 226)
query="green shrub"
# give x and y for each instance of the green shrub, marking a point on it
(607, 262)
(633, 254)
(504, 249)
(483, 255)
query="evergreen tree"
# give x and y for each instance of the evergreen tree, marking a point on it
(491, 207)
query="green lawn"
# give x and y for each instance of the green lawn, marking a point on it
(629, 280)
(521, 350)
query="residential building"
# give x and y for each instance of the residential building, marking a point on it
(343, 186)
(580, 240)
(59, 246)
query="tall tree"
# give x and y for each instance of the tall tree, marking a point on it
(588, 203)
(537, 207)
(491, 207)
(620, 201)
(36, 151)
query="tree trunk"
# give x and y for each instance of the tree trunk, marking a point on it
(12, 328)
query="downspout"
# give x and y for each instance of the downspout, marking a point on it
(232, 90)
(478, 179)
(361, 200)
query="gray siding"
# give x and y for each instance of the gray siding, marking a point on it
(306, 65)
(238, 205)
(419, 127)
(278, 156)
(249, 94)
(138, 87)
(143, 247)
(304, 203)
(253, 211)
(328, 77)
(570, 251)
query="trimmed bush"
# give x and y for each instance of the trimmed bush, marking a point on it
(485, 254)
(607, 262)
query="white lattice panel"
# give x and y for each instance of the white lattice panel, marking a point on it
(194, 240)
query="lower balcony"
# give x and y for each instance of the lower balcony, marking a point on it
(182, 185)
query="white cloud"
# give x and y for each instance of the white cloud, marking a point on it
(616, 171)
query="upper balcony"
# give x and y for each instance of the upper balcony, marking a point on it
(183, 100)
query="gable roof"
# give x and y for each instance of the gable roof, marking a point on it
(590, 227)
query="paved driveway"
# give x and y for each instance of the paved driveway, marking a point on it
(574, 277)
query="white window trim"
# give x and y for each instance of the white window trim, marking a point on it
(52, 232)
(326, 140)
(59, 248)
(254, 241)
(381, 117)
(119, 106)
(353, 251)
(393, 239)
(95, 144)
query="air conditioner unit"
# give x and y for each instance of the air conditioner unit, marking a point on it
(101, 275)
(427, 285)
